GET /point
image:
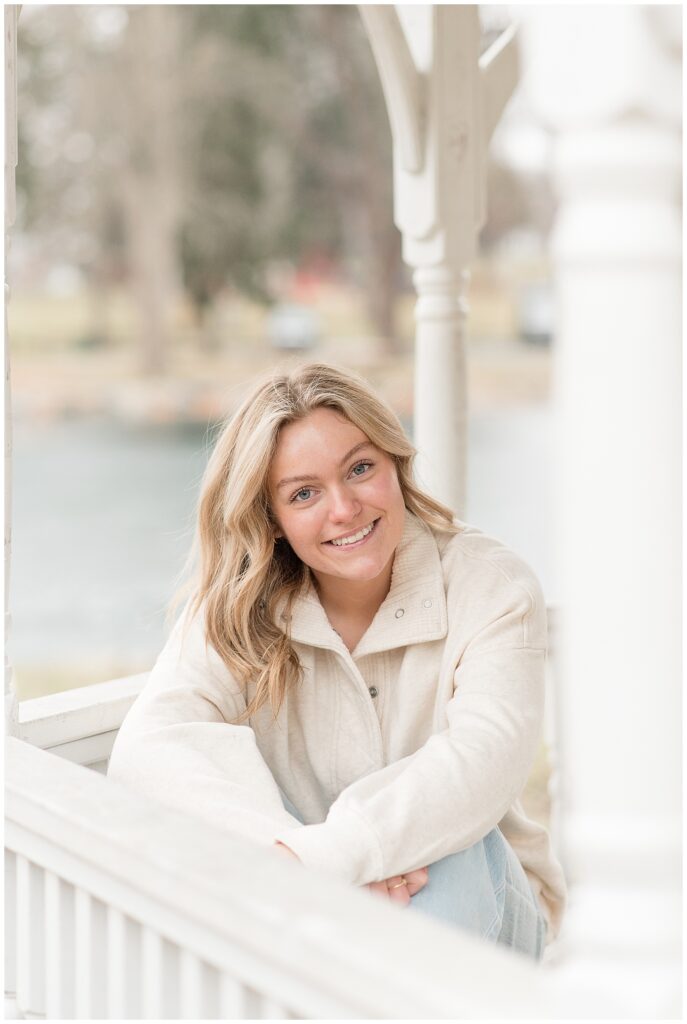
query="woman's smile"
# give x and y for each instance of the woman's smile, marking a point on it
(345, 541)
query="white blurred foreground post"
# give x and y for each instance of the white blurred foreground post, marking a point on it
(444, 101)
(618, 363)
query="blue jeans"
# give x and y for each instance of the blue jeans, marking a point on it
(484, 890)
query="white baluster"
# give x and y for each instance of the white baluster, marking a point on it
(84, 942)
(98, 959)
(171, 979)
(272, 1010)
(10, 923)
(30, 938)
(152, 975)
(69, 945)
(191, 986)
(53, 948)
(211, 980)
(117, 978)
(237, 1001)
(68, 948)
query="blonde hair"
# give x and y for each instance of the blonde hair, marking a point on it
(242, 574)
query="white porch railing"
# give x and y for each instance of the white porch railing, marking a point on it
(116, 908)
(81, 724)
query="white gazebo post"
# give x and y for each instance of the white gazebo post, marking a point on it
(443, 102)
(613, 100)
(11, 17)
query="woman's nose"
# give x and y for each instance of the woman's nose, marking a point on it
(343, 506)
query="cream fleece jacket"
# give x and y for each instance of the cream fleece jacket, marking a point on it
(410, 748)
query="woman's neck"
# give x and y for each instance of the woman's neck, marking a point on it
(357, 600)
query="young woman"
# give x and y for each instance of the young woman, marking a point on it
(358, 677)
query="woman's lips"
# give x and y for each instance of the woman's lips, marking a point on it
(358, 543)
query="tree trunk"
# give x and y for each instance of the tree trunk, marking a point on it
(385, 263)
(150, 188)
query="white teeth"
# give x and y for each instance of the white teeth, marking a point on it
(355, 538)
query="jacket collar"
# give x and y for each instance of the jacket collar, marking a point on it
(414, 610)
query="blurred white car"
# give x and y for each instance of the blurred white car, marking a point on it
(293, 327)
(536, 314)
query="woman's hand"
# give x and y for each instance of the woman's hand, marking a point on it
(390, 888)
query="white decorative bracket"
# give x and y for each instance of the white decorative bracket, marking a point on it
(403, 85)
(443, 101)
(499, 69)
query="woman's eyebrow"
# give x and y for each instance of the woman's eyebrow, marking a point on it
(303, 476)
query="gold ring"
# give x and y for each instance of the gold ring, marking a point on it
(398, 884)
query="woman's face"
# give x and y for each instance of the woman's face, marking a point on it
(328, 483)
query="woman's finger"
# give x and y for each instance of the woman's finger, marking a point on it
(398, 889)
(416, 880)
(378, 887)
(395, 889)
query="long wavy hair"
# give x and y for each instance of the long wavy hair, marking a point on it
(241, 573)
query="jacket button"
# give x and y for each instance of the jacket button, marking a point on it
(427, 603)
(373, 691)
(400, 612)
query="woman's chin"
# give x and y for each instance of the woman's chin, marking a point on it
(361, 569)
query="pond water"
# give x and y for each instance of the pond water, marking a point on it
(103, 518)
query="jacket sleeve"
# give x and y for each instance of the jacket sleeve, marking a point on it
(177, 745)
(455, 788)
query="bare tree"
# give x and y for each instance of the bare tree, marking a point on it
(99, 175)
(149, 183)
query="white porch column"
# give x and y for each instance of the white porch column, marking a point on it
(617, 353)
(440, 383)
(444, 102)
(10, 24)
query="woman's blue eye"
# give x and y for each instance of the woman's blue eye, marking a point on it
(361, 465)
(303, 490)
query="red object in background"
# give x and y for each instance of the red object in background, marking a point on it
(315, 272)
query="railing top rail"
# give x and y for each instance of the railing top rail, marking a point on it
(85, 710)
(299, 924)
